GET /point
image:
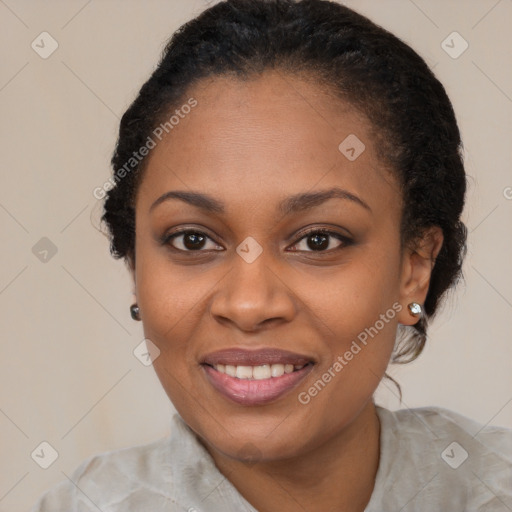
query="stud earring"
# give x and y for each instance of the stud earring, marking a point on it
(415, 309)
(135, 312)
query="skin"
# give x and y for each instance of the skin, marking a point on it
(250, 144)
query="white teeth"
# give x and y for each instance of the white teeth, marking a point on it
(276, 370)
(265, 371)
(230, 370)
(261, 372)
(244, 372)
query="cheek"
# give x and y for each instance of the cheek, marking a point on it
(354, 295)
(358, 322)
(166, 293)
(356, 308)
(170, 308)
(169, 304)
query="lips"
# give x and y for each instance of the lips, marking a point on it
(243, 357)
(255, 377)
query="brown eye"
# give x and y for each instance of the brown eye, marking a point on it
(191, 240)
(321, 241)
(318, 241)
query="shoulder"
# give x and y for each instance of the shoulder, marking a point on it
(110, 478)
(173, 474)
(444, 459)
(440, 425)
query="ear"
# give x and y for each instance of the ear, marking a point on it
(417, 264)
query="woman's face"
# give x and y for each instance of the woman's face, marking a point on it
(248, 288)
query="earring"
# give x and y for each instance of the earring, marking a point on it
(415, 309)
(135, 312)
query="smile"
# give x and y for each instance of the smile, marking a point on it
(255, 377)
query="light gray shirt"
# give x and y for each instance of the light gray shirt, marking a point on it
(431, 459)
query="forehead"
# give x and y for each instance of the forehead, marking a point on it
(271, 135)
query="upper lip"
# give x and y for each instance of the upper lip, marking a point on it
(245, 357)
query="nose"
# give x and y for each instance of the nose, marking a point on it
(254, 295)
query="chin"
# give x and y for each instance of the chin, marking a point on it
(254, 437)
(252, 449)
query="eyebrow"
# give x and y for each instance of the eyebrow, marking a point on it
(291, 204)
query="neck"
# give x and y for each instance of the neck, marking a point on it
(337, 475)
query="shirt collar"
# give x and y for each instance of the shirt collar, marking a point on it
(197, 483)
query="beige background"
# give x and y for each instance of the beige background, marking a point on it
(67, 372)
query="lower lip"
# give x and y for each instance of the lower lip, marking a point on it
(254, 392)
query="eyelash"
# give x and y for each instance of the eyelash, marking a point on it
(346, 241)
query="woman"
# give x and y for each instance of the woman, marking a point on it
(287, 193)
